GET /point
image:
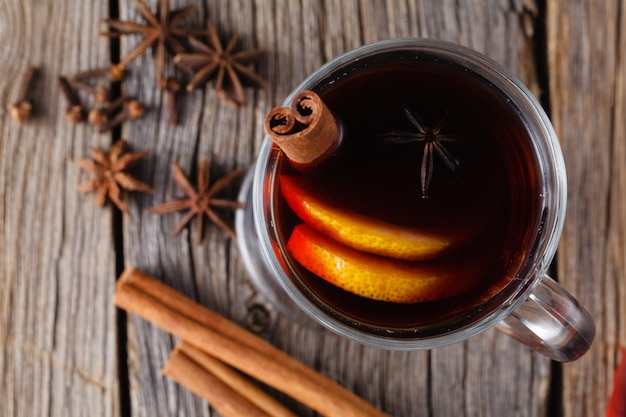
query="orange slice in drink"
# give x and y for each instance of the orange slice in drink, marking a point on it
(380, 278)
(365, 233)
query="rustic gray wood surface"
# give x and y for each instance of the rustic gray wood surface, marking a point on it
(66, 351)
(588, 99)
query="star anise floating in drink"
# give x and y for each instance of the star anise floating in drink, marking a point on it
(199, 202)
(227, 67)
(161, 31)
(433, 141)
(111, 176)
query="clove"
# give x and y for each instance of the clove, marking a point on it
(21, 109)
(171, 87)
(131, 110)
(99, 92)
(73, 111)
(98, 117)
(114, 73)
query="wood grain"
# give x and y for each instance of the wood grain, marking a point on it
(58, 253)
(58, 342)
(587, 79)
(300, 36)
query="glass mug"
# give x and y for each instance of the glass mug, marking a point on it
(525, 303)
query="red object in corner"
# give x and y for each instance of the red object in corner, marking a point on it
(617, 402)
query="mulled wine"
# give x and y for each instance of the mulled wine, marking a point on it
(426, 146)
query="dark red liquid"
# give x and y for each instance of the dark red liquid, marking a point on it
(496, 188)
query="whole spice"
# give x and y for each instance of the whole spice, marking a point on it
(114, 73)
(219, 395)
(200, 202)
(22, 108)
(242, 388)
(211, 333)
(307, 132)
(227, 67)
(131, 110)
(98, 117)
(111, 176)
(219, 384)
(171, 87)
(99, 92)
(433, 140)
(73, 111)
(162, 29)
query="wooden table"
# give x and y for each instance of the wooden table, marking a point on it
(66, 351)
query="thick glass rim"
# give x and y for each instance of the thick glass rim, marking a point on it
(548, 154)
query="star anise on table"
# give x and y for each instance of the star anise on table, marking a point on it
(201, 202)
(433, 141)
(227, 67)
(160, 31)
(111, 176)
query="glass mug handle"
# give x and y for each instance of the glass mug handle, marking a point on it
(552, 322)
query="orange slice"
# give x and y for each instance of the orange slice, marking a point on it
(365, 233)
(381, 278)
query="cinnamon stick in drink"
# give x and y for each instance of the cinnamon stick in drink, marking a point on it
(230, 343)
(307, 132)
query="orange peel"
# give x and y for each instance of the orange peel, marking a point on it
(380, 278)
(365, 233)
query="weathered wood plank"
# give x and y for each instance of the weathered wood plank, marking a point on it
(58, 351)
(300, 36)
(147, 241)
(586, 43)
(471, 378)
(57, 256)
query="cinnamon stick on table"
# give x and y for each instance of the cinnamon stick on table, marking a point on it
(226, 400)
(138, 293)
(218, 383)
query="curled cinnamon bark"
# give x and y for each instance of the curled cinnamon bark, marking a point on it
(307, 132)
(225, 399)
(137, 292)
(218, 383)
